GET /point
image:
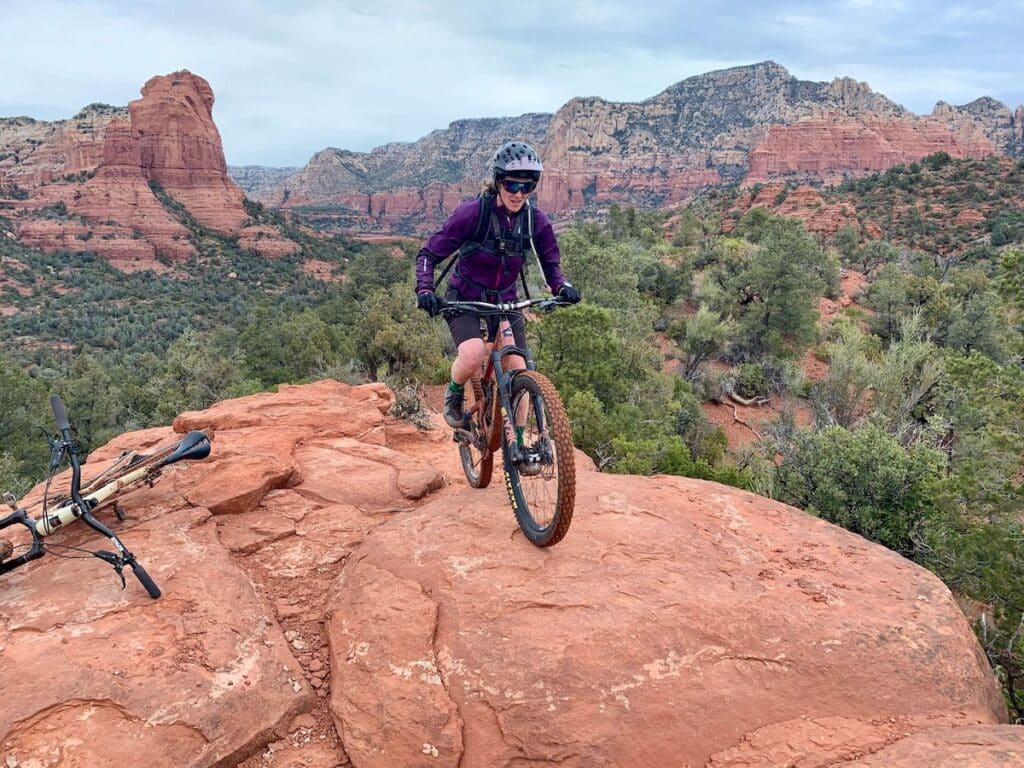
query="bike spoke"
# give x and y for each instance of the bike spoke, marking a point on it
(542, 476)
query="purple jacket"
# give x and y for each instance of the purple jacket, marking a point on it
(482, 267)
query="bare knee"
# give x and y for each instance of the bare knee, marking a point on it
(470, 358)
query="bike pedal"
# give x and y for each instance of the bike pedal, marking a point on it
(119, 512)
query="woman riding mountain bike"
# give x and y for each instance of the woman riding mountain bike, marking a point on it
(492, 236)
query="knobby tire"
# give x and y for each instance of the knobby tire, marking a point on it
(544, 502)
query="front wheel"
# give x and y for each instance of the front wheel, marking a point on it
(540, 472)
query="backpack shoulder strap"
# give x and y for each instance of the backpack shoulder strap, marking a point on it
(476, 239)
(483, 222)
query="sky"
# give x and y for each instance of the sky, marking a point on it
(292, 78)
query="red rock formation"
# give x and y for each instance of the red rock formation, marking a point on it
(680, 623)
(180, 149)
(831, 147)
(169, 138)
(803, 202)
(33, 152)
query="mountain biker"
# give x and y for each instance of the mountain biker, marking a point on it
(489, 272)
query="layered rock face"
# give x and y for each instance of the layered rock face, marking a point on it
(104, 177)
(719, 128)
(334, 593)
(33, 152)
(120, 202)
(831, 147)
(180, 149)
(254, 178)
(402, 187)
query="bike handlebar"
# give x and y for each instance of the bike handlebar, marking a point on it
(503, 307)
(60, 414)
(145, 580)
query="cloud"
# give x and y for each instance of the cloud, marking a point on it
(291, 79)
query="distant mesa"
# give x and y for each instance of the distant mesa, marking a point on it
(747, 125)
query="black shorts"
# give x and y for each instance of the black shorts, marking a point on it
(468, 325)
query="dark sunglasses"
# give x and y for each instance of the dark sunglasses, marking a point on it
(512, 187)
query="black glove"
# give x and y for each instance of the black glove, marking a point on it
(429, 302)
(569, 293)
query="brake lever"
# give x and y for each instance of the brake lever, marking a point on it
(56, 451)
(114, 560)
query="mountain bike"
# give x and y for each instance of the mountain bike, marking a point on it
(127, 472)
(540, 470)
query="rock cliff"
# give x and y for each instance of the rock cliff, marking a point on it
(107, 170)
(34, 152)
(253, 178)
(334, 593)
(830, 148)
(755, 122)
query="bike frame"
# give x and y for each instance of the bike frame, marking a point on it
(493, 368)
(193, 446)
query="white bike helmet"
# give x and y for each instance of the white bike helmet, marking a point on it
(516, 158)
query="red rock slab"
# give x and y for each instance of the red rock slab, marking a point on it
(267, 241)
(370, 477)
(812, 742)
(992, 746)
(326, 535)
(327, 406)
(94, 675)
(677, 620)
(389, 701)
(238, 484)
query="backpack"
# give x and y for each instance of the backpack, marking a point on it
(479, 237)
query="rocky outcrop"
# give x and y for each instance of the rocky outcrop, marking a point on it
(180, 149)
(119, 200)
(402, 187)
(802, 202)
(831, 147)
(334, 592)
(718, 128)
(1005, 129)
(255, 180)
(166, 145)
(34, 152)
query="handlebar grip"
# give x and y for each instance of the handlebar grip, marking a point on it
(148, 583)
(59, 413)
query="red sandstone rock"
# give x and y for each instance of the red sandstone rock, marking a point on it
(993, 746)
(680, 622)
(803, 202)
(180, 149)
(169, 138)
(831, 147)
(677, 621)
